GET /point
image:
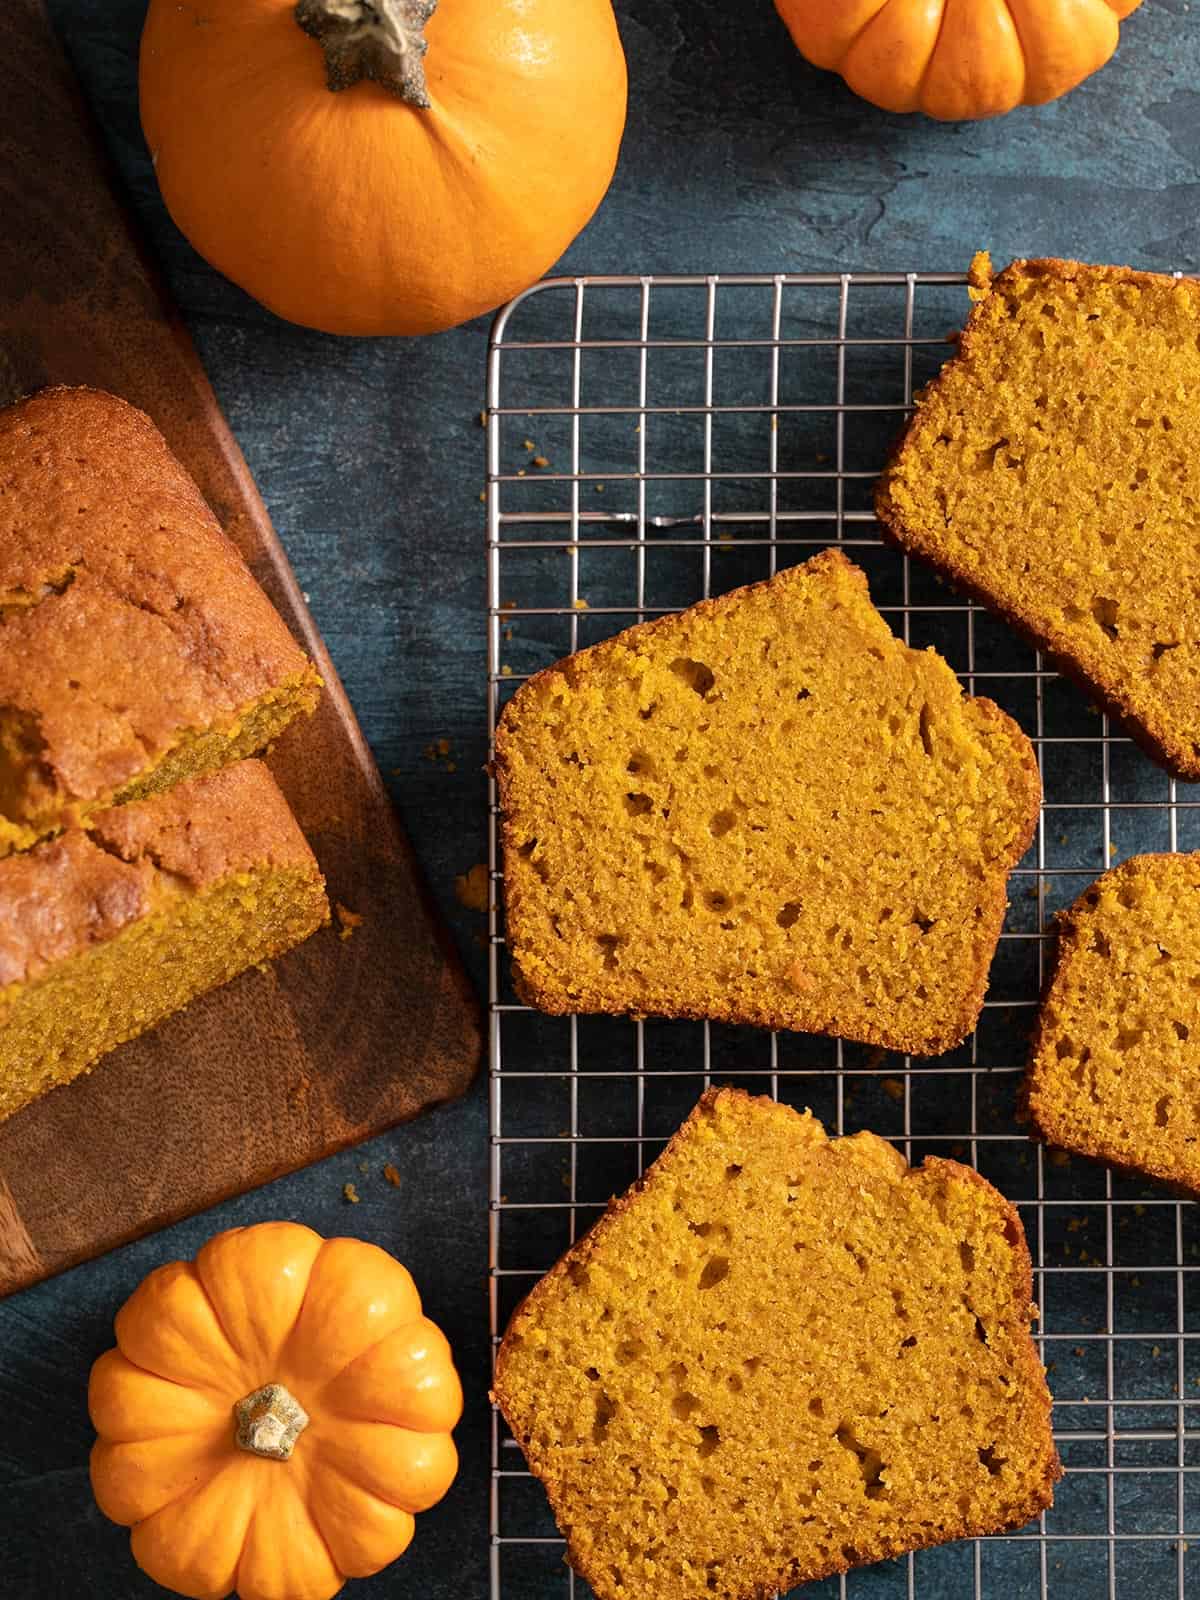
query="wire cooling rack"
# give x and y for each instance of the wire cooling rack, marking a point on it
(654, 440)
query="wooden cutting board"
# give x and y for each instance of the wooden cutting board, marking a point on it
(341, 1038)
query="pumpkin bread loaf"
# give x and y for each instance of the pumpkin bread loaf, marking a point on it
(1051, 470)
(135, 647)
(1115, 1068)
(779, 1356)
(766, 809)
(107, 929)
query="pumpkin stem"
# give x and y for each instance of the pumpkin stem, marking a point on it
(383, 40)
(269, 1422)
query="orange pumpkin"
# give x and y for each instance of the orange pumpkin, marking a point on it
(392, 167)
(273, 1417)
(957, 59)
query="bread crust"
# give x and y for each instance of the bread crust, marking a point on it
(794, 1016)
(787, 1577)
(1180, 758)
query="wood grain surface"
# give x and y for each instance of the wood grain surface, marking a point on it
(345, 1036)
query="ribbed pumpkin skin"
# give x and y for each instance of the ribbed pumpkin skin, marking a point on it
(354, 212)
(957, 60)
(338, 1322)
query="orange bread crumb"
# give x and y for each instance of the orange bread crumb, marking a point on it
(777, 1357)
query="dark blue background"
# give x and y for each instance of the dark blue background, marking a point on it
(738, 157)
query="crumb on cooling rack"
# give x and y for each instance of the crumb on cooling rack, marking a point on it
(579, 603)
(529, 444)
(506, 671)
(599, 488)
(483, 419)
(391, 1175)
(540, 461)
(347, 920)
(893, 1087)
(350, 1194)
(472, 887)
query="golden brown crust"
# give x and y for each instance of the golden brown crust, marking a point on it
(1180, 757)
(1038, 1105)
(792, 1012)
(82, 889)
(561, 1277)
(128, 620)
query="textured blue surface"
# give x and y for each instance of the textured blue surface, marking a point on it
(738, 157)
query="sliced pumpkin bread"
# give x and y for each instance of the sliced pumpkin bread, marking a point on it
(766, 809)
(1051, 471)
(1115, 1068)
(779, 1356)
(135, 646)
(107, 929)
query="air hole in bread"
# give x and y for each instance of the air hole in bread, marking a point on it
(684, 1404)
(925, 726)
(715, 1269)
(966, 1254)
(695, 674)
(637, 805)
(721, 823)
(1182, 1031)
(710, 1441)
(609, 944)
(1162, 1111)
(993, 1462)
(1161, 646)
(606, 1410)
(1104, 611)
(789, 914)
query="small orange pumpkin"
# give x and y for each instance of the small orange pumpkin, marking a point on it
(957, 59)
(397, 166)
(273, 1417)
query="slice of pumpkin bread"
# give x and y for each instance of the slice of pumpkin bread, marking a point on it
(766, 809)
(1115, 1067)
(1051, 471)
(779, 1356)
(135, 646)
(106, 930)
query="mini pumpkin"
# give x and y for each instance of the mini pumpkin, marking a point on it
(957, 59)
(396, 166)
(274, 1416)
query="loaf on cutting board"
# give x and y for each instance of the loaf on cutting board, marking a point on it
(108, 928)
(136, 648)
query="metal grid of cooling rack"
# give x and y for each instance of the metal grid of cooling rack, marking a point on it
(652, 440)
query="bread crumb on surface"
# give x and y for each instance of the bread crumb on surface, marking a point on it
(351, 1194)
(471, 887)
(579, 603)
(348, 920)
(391, 1175)
(893, 1087)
